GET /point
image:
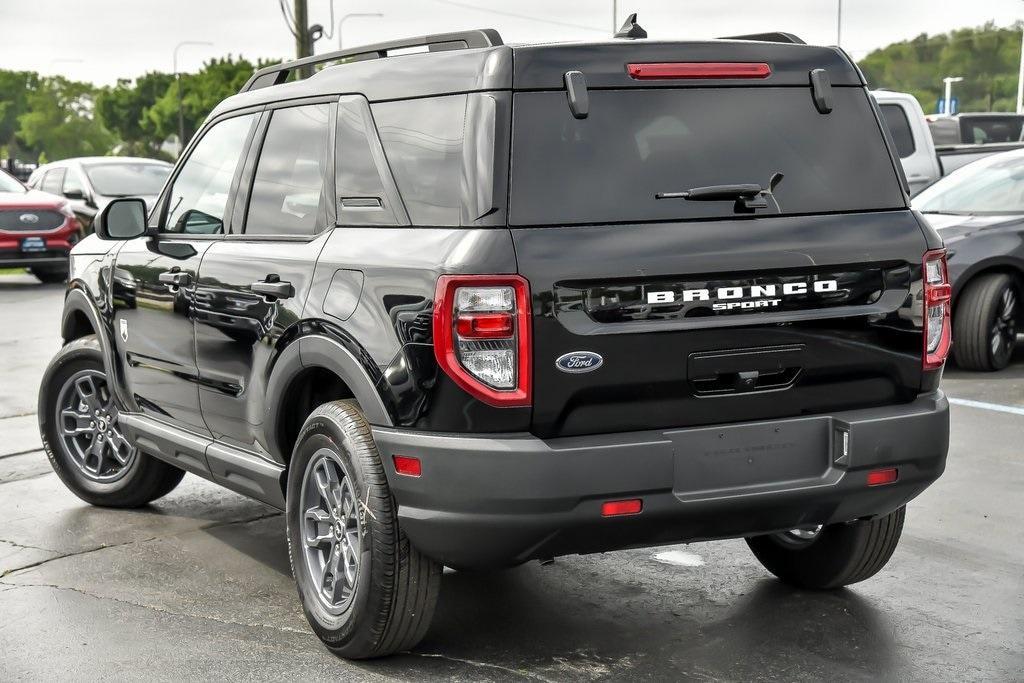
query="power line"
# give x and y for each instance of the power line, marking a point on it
(288, 19)
(515, 15)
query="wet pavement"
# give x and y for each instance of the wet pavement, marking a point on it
(197, 585)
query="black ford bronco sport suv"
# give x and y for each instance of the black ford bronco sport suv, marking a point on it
(480, 304)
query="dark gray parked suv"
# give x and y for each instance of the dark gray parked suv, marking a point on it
(488, 304)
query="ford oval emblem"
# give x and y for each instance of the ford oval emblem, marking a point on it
(579, 361)
(28, 218)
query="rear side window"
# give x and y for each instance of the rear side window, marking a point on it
(287, 195)
(899, 128)
(53, 180)
(639, 142)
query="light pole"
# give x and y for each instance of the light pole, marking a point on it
(839, 23)
(949, 81)
(351, 15)
(615, 17)
(1020, 76)
(177, 80)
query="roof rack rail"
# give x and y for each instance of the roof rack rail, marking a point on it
(771, 37)
(460, 40)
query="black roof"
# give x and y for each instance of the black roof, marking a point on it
(496, 66)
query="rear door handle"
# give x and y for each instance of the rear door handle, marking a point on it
(274, 287)
(175, 278)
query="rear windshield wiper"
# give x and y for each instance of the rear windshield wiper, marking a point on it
(748, 196)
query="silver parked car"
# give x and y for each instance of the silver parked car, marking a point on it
(89, 183)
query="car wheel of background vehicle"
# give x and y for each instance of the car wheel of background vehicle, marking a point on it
(832, 556)
(50, 275)
(83, 440)
(985, 324)
(364, 589)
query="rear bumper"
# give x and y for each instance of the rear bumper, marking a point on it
(504, 499)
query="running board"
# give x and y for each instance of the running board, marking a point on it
(233, 468)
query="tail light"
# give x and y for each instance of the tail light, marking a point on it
(938, 335)
(482, 336)
(675, 70)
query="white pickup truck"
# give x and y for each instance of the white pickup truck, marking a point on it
(930, 152)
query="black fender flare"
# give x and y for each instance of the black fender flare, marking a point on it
(313, 351)
(78, 301)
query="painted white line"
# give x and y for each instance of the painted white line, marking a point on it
(1013, 410)
(679, 558)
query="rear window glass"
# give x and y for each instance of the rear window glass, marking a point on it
(983, 130)
(899, 128)
(639, 142)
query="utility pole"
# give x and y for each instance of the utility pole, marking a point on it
(303, 41)
(177, 80)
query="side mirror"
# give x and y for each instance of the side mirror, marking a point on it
(121, 219)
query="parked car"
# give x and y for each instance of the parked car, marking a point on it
(979, 212)
(933, 146)
(37, 230)
(89, 183)
(554, 299)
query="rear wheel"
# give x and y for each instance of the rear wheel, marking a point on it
(365, 590)
(78, 422)
(50, 274)
(831, 556)
(985, 324)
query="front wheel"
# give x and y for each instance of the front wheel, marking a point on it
(365, 590)
(831, 556)
(82, 437)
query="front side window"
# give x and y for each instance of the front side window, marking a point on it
(198, 199)
(899, 128)
(287, 195)
(53, 180)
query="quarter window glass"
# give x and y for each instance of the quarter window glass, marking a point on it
(362, 197)
(199, 195)
(288, 190)
(53, 181)
(899, 127)
(423, 140)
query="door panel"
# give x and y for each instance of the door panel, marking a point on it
(238, 328)
(153, 326)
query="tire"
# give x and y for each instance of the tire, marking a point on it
(390, 600)
(50, 275)
(985, 324)
(838, 555)
(121, 476)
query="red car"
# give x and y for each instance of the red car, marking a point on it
(37, 230)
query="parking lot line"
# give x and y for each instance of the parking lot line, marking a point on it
(998, 407)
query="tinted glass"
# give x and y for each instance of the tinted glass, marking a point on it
(288, 189)
(423, 141)
(73, 182)
(127, 179)
(198, 199)
(636, 143)
(53, 181)
(983, 130)
(899, 128)
(994, 185)
(9, 184)
(362, 197)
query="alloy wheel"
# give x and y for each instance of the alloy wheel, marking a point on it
(89, 431)
(331, 533)
(1003, 334)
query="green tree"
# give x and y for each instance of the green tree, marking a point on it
(123, 111)
(59, 120)
(15, 87)
(987, 57)
(201, 92)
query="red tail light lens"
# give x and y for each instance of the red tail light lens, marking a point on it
(615, 508)
(670, 70)
(938, 294)
(482, 336)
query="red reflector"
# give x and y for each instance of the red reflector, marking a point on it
(663, 70)
(613, 508)
(484, 325)
(408, 466)
(886, 476)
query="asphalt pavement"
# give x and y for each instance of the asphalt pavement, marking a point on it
(197, 585)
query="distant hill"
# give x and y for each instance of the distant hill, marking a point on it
(988, 58)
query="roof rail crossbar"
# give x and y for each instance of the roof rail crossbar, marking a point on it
(460, 40)
(771, 37)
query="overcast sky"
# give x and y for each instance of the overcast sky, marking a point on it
(103, 40)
